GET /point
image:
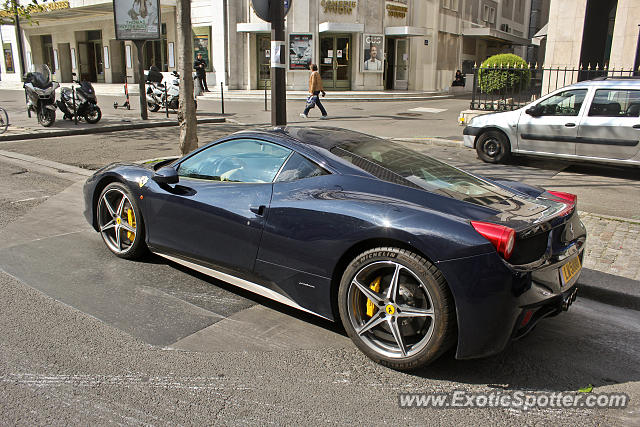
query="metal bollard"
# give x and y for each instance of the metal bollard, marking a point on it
(222, 97)
(265, 98)
(166, 101)
(75, 111)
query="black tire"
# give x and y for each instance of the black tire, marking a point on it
(493, 147)
(4, 120)
(93, 116)
(441, 332)
(153, 107)
(47, 118)
(134, 249)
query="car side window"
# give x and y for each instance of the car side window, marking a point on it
(615, 103)
(567, 103)
(298, 167)
(238, 160)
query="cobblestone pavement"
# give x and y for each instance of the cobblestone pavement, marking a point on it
(613, 245)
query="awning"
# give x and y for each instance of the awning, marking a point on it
(405, 31)
(253, 27)
(496, 35)
(540, 35)
(340, 27)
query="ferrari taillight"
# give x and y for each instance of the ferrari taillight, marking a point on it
(570, 200)
(500, 236)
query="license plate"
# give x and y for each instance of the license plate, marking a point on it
(570, 269)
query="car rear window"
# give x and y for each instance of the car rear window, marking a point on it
(393, 163)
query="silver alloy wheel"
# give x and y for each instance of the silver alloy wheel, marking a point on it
(492, 147)
(387, 331)
(117, 220)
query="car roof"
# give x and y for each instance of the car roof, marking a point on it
(317, 136)
(610, 83)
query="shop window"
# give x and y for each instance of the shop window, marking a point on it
(202, 44)
(47, 51)
(155, 52)
(8, 58)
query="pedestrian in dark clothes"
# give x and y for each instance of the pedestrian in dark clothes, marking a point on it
(200, 66)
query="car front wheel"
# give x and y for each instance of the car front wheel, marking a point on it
(493, 147)
(120, 222)
(396, 307)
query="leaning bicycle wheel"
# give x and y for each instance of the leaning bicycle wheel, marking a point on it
(4, 120)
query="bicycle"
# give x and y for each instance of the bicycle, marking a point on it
(4, 120)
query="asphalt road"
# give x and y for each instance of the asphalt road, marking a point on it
(89, 338)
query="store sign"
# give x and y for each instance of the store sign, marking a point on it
(396, 11)
(34, 9)
(342, 7)
(373, 53)
(300, 51)
(137, 19)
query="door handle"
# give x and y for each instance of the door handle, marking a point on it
(258, 210)
(636, 126)
(570, 125)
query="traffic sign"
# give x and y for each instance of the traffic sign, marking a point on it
(261, 7)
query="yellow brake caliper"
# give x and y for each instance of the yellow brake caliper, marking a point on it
(375, 287)
(132, 223)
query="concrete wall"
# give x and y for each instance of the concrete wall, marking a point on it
(564, 39)
(625, 34)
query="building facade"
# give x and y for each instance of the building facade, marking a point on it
(357, 44)
(594, 33)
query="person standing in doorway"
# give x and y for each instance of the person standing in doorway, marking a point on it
(200, 66)
(315, 88)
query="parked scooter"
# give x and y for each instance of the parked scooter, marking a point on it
(163, 95)
(85, 104)
(40, 94)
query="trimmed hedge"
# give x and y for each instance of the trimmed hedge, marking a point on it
(503, 72)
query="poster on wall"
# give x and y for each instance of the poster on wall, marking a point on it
(8, 58)
(300, 51)
(136, 19)
(201, 44)
(373, 53)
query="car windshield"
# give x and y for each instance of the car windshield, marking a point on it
(393, 163)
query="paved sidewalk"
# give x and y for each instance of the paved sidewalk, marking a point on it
(117, 89)
(613, 245)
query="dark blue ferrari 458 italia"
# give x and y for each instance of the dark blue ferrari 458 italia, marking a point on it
(413, 256)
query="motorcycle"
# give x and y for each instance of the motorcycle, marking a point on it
(40, 94)
(163, 95)
(85, 104)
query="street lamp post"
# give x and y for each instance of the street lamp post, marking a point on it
(278, 63)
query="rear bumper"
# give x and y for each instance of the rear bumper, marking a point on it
(492, 300)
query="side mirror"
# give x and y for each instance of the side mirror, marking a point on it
(535, 111)
(166, 175)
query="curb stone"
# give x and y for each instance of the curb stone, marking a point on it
(101, 129)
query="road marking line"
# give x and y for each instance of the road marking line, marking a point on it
(29, 199)
(428, 110)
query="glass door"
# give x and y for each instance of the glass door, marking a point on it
(401, 77)
(335, 61)
(264, 60)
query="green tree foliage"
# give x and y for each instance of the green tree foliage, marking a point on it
(9, 9)
(503, 72)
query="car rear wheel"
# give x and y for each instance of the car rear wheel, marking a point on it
(493, 147)
(397, 308)
(120, 222)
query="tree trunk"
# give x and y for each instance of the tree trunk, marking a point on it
(187, 108)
